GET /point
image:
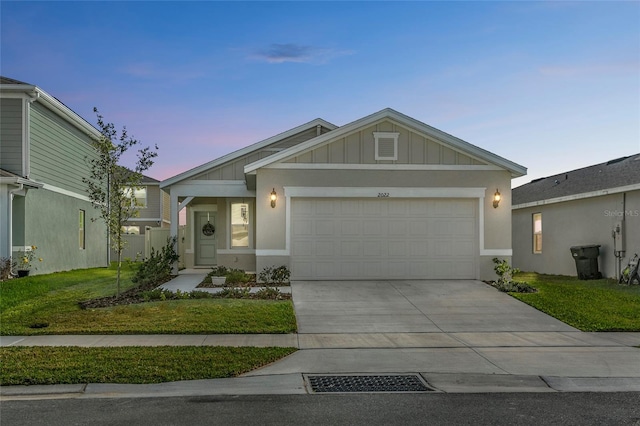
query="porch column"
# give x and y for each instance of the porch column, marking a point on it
(174, 225)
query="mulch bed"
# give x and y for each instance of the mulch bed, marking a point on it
(133, 295)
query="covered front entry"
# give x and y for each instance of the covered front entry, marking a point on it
(205, 238)
(384, 238)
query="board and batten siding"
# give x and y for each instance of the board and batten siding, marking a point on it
(234, 170)
(359, 148)
(59, 151)
(11, 135)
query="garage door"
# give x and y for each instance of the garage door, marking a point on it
(383, 238)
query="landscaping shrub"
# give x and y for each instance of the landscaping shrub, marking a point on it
(505, 280)
(275, 276)
(157, 268)
(6, 264)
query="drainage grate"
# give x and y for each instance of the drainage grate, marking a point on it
(368, 383)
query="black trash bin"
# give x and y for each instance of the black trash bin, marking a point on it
(586, 258)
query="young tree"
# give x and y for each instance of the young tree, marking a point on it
(111, 186)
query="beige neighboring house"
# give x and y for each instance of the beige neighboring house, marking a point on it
(578, 208)
(154, 212)
(383, 197)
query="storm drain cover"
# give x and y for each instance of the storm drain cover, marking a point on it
(368, 383)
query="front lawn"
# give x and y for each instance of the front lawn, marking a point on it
(71, 365)
(593, 305)
(48, 304)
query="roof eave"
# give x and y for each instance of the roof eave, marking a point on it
(515, 169)
(244, 151)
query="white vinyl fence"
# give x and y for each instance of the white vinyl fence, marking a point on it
(138, 247)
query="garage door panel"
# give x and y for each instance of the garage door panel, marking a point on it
(302, 227)
(302, 248)
(384, 238)
(325, 248)
(350, 248)
(350, 227)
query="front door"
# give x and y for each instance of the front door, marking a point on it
(206, 237)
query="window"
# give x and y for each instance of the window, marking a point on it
(239, 225)
(138, 195)
(81, 237)
(537, 233)
(386, 145)
(132, 230)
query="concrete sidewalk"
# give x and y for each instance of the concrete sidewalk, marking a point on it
(467, 338)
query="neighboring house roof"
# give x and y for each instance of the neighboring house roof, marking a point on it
(244, 151)
(37, 94)
(612, 176)
(404, 120)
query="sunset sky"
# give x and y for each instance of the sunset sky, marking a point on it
(552, 86)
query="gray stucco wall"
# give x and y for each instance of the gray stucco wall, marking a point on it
(51, 224)
(11, 135)
(572, 223)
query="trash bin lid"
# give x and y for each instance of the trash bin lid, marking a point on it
(584, 247)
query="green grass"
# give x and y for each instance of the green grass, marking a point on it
(593, 305)
(52, 300)
(71, 365)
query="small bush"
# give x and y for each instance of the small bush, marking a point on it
(6, 265)
(157, 269)
(236, 276)
(505, 280)
(269, 293)
(275, 276)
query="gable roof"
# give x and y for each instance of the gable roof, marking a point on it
(404, 120)
(244, 151)
(37, 94)
(611, 175)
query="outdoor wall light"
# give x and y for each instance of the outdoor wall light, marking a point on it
(274, 197)
(496, 199)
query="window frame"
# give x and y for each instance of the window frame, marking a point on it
(130, 192)
(82, 229)
(536, 234)
(248, 225)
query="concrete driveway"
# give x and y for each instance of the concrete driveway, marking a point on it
(447, 328)
(428, 306)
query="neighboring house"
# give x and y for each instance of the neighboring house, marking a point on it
(578, 208)
(43, 201)
(383, 197)
(153, 212)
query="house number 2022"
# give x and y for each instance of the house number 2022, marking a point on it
(383, 195)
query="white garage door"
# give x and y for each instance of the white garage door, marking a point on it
(383, 238)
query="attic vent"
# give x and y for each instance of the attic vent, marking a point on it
(386, 145)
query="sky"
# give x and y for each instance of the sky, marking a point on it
(552, 86)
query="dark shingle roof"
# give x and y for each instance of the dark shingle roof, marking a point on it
(7, 80)
(612, 174)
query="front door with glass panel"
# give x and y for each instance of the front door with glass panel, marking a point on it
(206, 238)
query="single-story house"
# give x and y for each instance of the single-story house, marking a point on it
(384, 197)
(595, 205)
(43, 201)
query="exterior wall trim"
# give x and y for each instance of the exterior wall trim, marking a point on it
(65, 192)
(338, 166)
(364, 192)
(573, 197)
